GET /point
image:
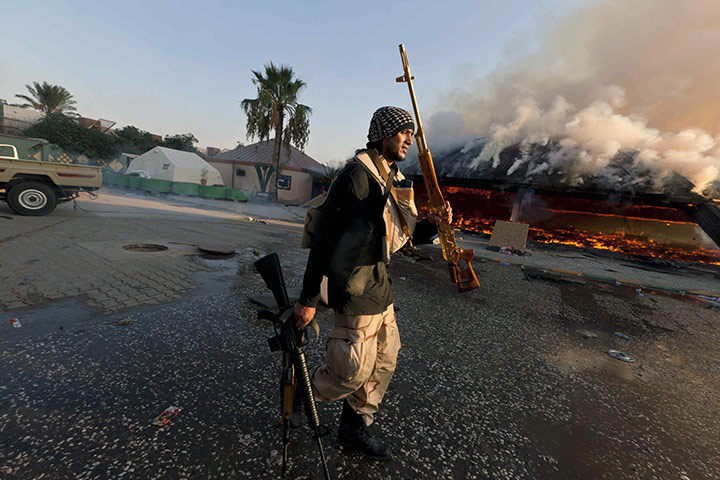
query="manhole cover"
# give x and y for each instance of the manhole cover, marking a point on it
(144, 247)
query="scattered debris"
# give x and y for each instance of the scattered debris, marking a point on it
(587, 334)
(434, 419)
(505, 263)
(245, 440)
(621, 335)
(710, 302)
(275, 458)
(618, 355)
(256, 252)
(125, 321)
(549, 459)
(525, 274)
(639, 292)
(403, 278)
(166, 416)
(15, 323)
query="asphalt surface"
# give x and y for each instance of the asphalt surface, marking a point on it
(492, 383)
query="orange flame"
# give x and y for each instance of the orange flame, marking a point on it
(618, 241)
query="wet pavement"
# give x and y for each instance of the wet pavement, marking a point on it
(492, 383)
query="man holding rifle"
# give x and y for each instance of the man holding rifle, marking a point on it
(369, 213)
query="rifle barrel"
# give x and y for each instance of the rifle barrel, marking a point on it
(420, 135)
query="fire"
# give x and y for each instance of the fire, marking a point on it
(476, 210)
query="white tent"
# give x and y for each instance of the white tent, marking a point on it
(174, 165)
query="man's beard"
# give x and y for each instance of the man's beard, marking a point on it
(395, 157)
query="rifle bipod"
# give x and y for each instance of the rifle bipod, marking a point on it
(291, 342)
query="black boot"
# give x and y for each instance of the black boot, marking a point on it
(353, 434)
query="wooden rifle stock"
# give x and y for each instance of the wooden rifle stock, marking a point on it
(464, 278)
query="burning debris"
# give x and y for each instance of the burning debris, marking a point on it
(661, 232)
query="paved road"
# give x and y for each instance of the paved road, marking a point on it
(492, 383)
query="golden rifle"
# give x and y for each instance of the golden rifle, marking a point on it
(465, 279)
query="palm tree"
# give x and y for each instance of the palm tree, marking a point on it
(277, 100)
(49, 99)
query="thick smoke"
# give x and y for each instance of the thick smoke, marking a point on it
(618, 76)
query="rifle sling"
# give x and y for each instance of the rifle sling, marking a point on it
(389, 183)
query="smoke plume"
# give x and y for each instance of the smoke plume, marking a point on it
(617, 76)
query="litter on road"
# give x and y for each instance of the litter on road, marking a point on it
(621, 335)
(166, 416)
(617, 354)
(15, 323)
(587, 334)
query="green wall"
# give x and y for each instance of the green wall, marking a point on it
(27, 148)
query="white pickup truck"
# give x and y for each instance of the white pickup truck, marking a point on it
(32, 187)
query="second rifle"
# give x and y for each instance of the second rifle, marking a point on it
(291, 342)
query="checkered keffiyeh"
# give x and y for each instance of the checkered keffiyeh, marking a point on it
(387, 122)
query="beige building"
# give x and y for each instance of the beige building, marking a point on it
(14, 120)
(250, 168)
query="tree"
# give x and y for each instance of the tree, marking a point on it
(276, 102)
(181, 141)
(71, 137)
(133, 140)
(326, 177)
(49, 99)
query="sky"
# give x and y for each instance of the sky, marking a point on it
(172, 67)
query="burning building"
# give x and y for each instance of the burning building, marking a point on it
(600, 134)
(626, 207)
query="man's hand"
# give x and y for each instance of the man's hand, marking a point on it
(437, 219)
(303, 316)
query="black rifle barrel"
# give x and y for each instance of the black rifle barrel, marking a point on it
(290, 340)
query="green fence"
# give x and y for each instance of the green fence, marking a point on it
(181, 188)
(157, 186)
(138, 183)
(235, 194)
(212, 192)
(109, 178)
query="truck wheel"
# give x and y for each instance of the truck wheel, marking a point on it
(32, 198)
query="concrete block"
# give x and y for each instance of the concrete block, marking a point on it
(509, 234)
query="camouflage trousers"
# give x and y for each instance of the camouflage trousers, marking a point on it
(360, 357)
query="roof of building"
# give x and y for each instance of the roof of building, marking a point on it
(261, 152)
(535, 166)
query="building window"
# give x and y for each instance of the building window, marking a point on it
(284, 182)
(166, 166)
(240, 172)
